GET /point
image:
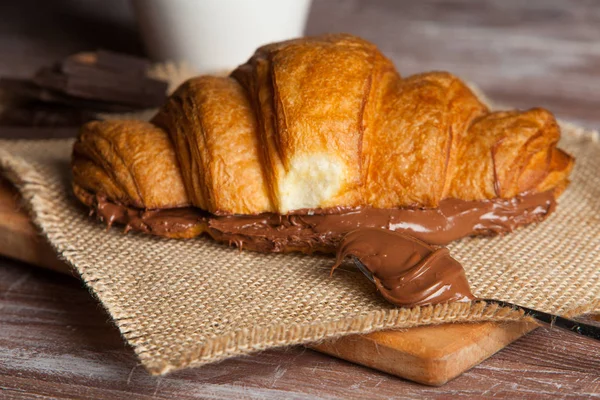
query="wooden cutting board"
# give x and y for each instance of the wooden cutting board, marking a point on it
(431, 355)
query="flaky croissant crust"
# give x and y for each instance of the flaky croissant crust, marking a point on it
(316, 123)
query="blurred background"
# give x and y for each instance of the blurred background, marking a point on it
(522, 53)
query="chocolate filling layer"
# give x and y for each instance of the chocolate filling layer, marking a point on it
(406, 271)
(453, 219)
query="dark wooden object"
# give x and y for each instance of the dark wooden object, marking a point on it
(71, 91)
(56, 342)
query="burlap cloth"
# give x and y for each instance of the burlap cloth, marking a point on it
(183, 303)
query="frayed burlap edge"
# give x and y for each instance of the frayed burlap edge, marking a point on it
(34, 191)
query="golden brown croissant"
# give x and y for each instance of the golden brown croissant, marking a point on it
(315, 129)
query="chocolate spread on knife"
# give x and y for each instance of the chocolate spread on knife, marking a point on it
(268, 232)
(407, 271)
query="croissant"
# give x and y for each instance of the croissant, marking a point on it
(313, 137)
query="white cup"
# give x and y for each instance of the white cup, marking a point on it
(214, 35)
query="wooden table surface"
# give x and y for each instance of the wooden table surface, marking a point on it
(56, 341)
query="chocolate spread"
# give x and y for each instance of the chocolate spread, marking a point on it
(407, 271)
(166, 222)
(322, 230)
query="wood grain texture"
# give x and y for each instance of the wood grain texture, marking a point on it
(19, 239)
(432, 355)
(56, 343)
